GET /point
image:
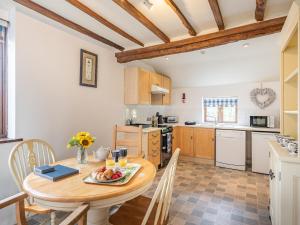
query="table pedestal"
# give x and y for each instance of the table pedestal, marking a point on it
(98, 216)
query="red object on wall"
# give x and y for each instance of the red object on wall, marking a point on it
(183, 98)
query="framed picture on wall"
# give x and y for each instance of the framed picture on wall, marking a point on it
(88, 68)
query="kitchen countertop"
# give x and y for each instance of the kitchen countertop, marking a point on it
(151, 129)
(283, 154)
(218, 126)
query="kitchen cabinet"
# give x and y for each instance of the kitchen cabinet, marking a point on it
(136, 86)
(186, 141)
(204, 143)
(156, 79)
(151, 147)
(284, 184)
(166, 98)
(194, 141)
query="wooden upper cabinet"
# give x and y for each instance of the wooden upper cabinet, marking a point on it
(166, 98)
(156, 79)
(204, 143)
(137, 86)
(186, 141)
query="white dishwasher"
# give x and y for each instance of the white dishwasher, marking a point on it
(231, 149)
(260, 151)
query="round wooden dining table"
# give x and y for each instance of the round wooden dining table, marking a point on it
(69, 193)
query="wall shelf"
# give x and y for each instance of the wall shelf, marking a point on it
(291, 112)
(291, 76)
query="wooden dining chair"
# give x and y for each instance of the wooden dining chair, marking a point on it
(129, 137)
(23, 158)
(79, 216)
(150, 211)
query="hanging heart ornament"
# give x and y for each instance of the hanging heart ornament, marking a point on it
(263, 97)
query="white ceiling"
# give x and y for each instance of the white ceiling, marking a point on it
(226, 64)
(198, 12)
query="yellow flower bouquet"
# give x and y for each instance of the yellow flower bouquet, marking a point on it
(82, 140)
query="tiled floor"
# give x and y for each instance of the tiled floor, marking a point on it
(206, 195)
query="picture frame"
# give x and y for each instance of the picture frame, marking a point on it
(88, 68)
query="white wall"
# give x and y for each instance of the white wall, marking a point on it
(49, 102)
(7, 185)
(192, 109)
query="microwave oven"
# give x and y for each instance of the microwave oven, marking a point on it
(262, 121)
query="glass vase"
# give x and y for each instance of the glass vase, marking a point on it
(82, 156)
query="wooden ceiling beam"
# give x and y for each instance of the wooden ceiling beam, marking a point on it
(52, 15)
(103, 21)
(128, 7)
(204, 41)
(260, 9)
(183, 19)
(214, 5)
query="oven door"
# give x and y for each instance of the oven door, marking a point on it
(166, 142)
(259, 121)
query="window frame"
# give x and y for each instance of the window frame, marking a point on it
(4, 89)
(220, 114)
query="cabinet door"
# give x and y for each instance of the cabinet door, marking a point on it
(186, 141)
(154, 148)
(156, 79)
(167, 84)
(204, 143)
(144, 87)
(176, 138)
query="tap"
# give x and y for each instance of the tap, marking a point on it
(215, 121)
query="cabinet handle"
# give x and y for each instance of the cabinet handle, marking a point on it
(154, 142)
(271, 174)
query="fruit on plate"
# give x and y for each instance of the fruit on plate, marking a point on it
(104, 174)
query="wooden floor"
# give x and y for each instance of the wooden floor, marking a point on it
(206, 195)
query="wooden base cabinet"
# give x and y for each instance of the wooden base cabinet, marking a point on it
(284, 186)
(186, 141)
(195, 141)
(204, 143)
(151, 147)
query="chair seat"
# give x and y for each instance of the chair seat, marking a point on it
(133, 212)
(37, 209)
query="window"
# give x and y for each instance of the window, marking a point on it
(3, 80)
(221, 110)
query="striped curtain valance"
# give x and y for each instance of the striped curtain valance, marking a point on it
(213, 102)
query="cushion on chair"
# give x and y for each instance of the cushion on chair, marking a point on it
(133, 212)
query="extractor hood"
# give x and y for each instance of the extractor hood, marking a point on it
(158, 90)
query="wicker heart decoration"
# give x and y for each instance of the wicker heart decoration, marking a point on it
(267, 94)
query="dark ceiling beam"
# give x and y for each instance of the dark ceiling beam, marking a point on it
(52, 15)
(204, 41)
(214, 5)
(260, 9)
(181, 16)
(103, 21)
(128, 7)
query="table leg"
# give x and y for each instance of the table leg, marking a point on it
(98, 216)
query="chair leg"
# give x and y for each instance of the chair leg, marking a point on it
(52, 216)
